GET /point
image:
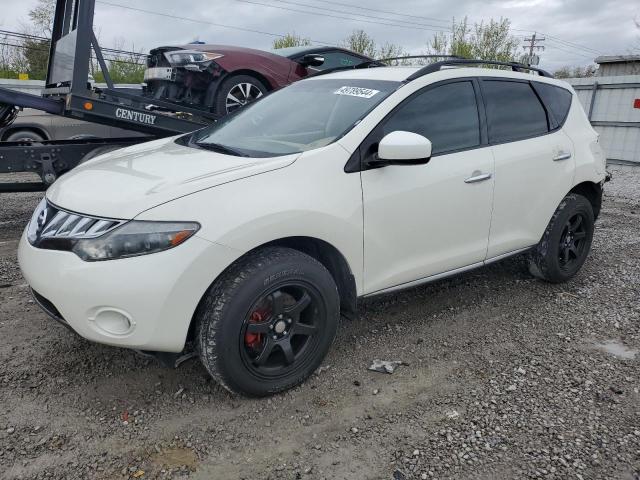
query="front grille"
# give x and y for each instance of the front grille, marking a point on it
(51, 223)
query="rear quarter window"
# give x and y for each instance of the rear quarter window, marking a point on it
(514, 111)
(557, 100)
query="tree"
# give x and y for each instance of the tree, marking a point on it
(36, 56)
(42, 18)
(360, 42)
(487, 41)
(291, 40)
(123, 68)
(391, 50)
(576, 72)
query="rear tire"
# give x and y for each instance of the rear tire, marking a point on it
(24, 136)
(267, 323)
(237, 91)
(566, 242)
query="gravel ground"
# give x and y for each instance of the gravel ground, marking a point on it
(506, 377)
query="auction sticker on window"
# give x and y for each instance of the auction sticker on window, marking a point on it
(356, 92)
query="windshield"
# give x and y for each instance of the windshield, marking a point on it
(306, 115)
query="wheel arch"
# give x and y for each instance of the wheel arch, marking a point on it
(251, 73)
(37, 129)
(591, 191)
(333, 260)
(325, 253)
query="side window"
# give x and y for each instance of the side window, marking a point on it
(514, 111)
(447, 115)
(557, 99)
(333, 59)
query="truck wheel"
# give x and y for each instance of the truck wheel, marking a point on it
(24, 136)
(566, 242)
(237, 91)
(268, 322)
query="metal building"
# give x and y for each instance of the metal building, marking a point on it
(611, 65)
(612, 102)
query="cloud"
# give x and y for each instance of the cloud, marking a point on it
(576, 30)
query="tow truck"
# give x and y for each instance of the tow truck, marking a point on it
(68, 93)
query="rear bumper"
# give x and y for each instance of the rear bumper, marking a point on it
(144, 302)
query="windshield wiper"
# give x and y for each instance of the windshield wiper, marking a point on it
(218, 147)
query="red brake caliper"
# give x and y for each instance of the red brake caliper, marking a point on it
(253, 340)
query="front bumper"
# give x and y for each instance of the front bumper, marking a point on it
(160, 73)
(144, 302)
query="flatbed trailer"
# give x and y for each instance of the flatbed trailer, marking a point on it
(68, 93)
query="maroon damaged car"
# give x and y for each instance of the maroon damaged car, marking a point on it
(223, 78)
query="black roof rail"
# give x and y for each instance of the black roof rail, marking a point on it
(435, 67)
(410, 57)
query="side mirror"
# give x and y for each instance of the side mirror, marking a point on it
(402, 148)
(311, 60)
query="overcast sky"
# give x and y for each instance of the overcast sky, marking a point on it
(577, 30)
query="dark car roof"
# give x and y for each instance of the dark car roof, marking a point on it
(293, 52)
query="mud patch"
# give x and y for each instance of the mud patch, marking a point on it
(617, 349)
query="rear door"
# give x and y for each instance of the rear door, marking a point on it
(534, 164)
(422, 220)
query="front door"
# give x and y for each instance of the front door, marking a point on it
(423, 220)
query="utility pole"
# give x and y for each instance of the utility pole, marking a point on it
(533, 44)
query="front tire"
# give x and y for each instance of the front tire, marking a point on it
(237, 91)
(566, 242)
(267, 323)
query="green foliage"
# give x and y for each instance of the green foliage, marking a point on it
(361, 42)
(487, 41)
(123, 71)
(576, 72)
(41, 17)
(36, 54)
(11, 74)
(291, 40)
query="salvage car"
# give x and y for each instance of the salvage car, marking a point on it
(223, 78)
(250, 238)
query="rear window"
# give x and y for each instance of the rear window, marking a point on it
(557, 100)
(514, 111)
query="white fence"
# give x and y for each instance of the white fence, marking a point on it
(613, 107)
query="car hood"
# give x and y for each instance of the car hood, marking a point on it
(126, 182)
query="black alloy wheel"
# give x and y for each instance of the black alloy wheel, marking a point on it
(566, 242)
(572, 241)
(268, 321)
(282, 330)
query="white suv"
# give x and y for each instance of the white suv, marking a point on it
(250, 238)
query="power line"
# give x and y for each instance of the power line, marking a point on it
(358, 14)
(6, 44)
(350, 5)
(338, 17)
(558, 39)
(574, 45)
(204, 22)
(26, 36)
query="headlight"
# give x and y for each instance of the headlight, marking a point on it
(134, 238)
(184, 57)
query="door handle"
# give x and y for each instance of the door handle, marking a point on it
(562, 156)
(478, 178)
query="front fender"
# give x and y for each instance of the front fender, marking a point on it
(312, 197)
